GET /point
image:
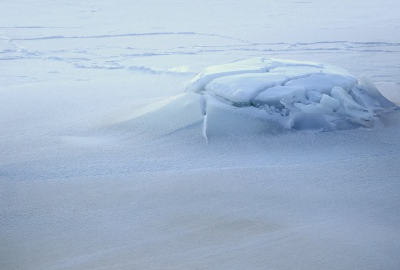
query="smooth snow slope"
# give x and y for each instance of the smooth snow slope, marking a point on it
(82, 187)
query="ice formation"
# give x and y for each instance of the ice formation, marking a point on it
(288, 95)
(263, 95)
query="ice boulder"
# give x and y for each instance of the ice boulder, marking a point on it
(270, 95)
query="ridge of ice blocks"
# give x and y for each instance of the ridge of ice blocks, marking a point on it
(270, 95)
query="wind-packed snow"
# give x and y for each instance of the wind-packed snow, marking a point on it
(199, 134)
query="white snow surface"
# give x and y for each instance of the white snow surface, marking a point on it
(104, 162)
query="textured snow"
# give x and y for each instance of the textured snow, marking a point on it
(106, 164)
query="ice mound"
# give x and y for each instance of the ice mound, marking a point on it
(289, 94)
(269, 95)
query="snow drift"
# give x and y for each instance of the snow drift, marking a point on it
(263, 95)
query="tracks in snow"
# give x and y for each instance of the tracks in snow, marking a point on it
(126, 51)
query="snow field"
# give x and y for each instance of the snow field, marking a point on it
(103, 160)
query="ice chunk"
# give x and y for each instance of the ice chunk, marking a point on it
(253, 65)
(244, 87)
(222, 119)
(341, 95)
(330, 102)
(315, 108)
(199, 82)
(368, 94)
(368, 86)
(350, 107)
(295, 63)
(294, 72)
(323, 83)
(273, 96)
(314, 96)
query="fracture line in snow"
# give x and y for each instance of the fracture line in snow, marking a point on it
(39, 27)
(135, 35)
(11, 41)
(343, 42)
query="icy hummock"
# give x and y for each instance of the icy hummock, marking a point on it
(262, 95)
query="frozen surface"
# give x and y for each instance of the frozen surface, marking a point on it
(103, 161)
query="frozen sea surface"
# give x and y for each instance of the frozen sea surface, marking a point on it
(83, 187)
